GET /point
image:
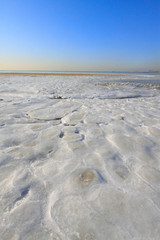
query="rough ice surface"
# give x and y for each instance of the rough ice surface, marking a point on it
(80, 157)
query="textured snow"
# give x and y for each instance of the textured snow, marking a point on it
(80, 157)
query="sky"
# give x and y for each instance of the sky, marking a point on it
(80, 35)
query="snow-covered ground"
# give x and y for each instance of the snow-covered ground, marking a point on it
(80, 157)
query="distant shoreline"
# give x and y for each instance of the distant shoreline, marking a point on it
(68, 74)
(73, 73)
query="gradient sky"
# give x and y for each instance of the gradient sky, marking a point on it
(104, 35)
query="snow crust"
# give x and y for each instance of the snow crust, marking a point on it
(80, 157)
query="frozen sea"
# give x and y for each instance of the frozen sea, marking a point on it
(80, 157)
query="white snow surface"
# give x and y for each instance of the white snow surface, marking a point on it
(80, 157)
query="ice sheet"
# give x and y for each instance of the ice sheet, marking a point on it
(80, 157)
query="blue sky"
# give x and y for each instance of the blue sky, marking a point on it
(99, 35)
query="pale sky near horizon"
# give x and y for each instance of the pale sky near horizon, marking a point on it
(70, 35)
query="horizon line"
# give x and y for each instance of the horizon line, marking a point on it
(75, 71)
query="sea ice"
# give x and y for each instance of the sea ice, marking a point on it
(80, 157)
